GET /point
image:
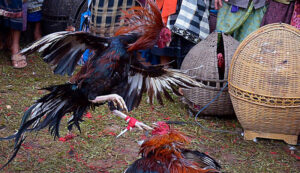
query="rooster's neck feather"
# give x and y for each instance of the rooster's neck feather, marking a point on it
(145, 22)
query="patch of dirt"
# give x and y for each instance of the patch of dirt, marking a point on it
(230, 158)
(113, 128)
(101, 164)
(129, 149)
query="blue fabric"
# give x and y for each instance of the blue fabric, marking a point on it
(214, 11)
(84, 26)
(86, 55)
(34, 17)
(150, 57)
(83, 20)
(234, 9)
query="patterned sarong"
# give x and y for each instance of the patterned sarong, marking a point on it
(11, 14)
(241, 23)
(106, 15)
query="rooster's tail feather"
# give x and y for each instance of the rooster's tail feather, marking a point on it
(49, 110)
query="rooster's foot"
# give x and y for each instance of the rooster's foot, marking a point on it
(115, 98)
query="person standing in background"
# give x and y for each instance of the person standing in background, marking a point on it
(105, 19)
(13, 17)
(278, 11)
(35, 15)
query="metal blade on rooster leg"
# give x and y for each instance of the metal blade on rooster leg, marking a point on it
(122, 132)
(118, 101)
(132, 122)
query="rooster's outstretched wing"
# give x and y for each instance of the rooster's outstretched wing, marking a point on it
(155, 81)
(63, 49)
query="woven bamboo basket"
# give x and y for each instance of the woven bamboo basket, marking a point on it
(201, 62)
(264, 83)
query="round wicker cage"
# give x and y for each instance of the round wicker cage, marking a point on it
(264, 83)
(201, 62)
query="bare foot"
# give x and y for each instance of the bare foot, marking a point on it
(18, 60)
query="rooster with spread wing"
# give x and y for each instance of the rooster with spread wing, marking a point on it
(113, 74)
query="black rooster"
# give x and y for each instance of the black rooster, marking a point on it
(113, 74)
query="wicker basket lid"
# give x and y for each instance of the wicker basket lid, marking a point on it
(267, 64)
(201, 61)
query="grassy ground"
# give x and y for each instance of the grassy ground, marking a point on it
(97, 150)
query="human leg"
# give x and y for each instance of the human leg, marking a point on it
(37, 31)
(18, 60)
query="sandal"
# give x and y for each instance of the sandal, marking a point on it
(18, 61)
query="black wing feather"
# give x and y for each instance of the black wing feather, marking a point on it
(146, 165)
(202, 159)
(64, 49)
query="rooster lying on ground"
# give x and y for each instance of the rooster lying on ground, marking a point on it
(113, 74)
(165, 153)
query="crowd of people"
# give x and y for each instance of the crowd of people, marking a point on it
(190, 21)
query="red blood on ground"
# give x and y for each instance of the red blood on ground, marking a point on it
(88, 115)
(67, 137)
(40, 160)
(27, 146)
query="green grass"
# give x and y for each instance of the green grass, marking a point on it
(97, 150)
